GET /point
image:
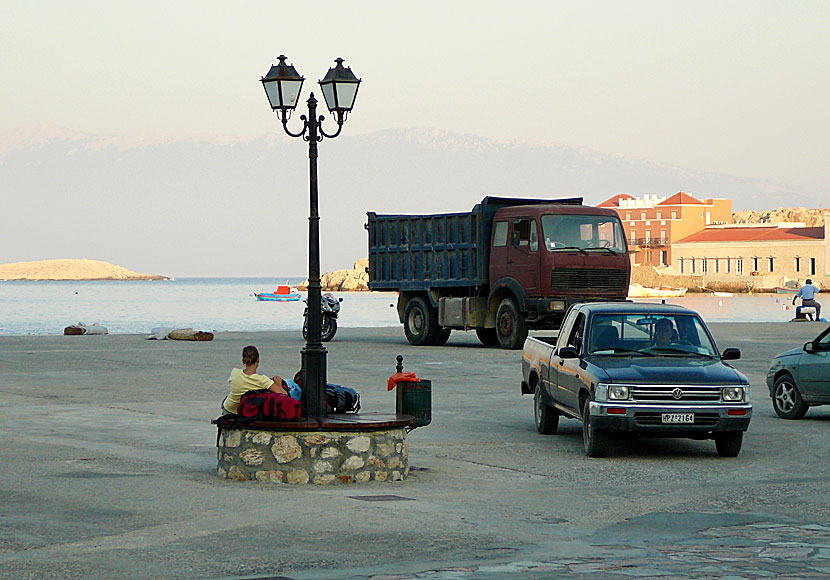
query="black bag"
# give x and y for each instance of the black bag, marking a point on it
(339, 399)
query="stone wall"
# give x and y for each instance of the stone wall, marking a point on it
(319, 457)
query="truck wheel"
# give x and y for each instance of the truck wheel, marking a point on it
(487, 336)
(443, 336)
(729, 444)
(595, 442)
(786, 400)
(545, 416)
(511, 327)
(419, 322)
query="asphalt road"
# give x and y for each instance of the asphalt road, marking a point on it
(108, 471)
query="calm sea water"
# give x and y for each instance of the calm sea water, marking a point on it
(227, 304)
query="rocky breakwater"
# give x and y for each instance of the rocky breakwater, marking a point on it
(355, 279)
(66, 269)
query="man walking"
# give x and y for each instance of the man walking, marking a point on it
(807, 294)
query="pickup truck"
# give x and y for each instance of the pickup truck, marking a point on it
(625, 368)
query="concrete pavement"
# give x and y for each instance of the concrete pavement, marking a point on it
(108, 471)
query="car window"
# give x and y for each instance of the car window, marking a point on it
(577, 333)
(824, 343)
(658, 333)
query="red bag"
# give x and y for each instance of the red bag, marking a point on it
(265, 404)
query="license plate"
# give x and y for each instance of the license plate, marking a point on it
(678, 417)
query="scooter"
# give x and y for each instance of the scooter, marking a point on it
(329, 309)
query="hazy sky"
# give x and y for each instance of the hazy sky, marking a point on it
(726, 86)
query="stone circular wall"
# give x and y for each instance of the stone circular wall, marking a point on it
(319, 457)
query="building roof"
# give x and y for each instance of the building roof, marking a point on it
(615, 201)
(754, 234)
(681, 198)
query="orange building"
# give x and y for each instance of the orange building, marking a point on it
(652, 223)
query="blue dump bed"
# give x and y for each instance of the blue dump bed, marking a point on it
(416, 252)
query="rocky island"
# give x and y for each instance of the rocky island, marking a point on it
(355, 279)
(66, 269)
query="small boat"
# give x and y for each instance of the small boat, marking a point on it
(723, 294)
(282, 294)
(789, 287)
(640, 291)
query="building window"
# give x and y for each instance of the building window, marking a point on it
(772, 264)
(674, 215)
(648, 236)
(812, 266)
(717, 265)
(681, 266)
(693, 265)
(797, 264)
(755, 264)
(628, 216)
(728, 265)
(739, 266)
(659, 215)
(664, 258)
(663, 238)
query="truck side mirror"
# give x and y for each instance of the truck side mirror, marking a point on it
(567, 352)
(731, 354)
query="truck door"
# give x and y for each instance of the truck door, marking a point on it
(565, 372)
(523, 254)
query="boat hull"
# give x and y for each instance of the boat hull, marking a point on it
(270, 297)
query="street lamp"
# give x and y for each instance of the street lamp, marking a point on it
(282, 87)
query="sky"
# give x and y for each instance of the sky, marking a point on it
(739, 87)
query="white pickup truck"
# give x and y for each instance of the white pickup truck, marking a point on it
(626, 368)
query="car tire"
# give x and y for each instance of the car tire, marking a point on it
(420, 322)
(545, 416)
(595, 442)
(729, 444)
(786, 399)
(511, 327)
(487, 336)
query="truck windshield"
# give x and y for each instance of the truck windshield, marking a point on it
(650, 335)
(583, 232)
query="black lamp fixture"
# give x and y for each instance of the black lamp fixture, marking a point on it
(282, 87)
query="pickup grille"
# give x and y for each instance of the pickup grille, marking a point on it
(650, 418)
(665, 394)
(568, 280)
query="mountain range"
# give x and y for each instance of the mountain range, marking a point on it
(208, 205)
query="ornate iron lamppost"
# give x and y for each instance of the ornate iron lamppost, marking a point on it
(282, 87)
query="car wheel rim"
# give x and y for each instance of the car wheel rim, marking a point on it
(785, 397)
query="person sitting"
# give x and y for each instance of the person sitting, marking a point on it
(246, 379)
(663, 333)
(807, 294)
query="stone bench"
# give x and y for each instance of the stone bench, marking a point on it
(336, 449)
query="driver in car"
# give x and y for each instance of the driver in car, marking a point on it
(663, 331)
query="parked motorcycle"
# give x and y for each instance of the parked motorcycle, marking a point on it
(329, 309)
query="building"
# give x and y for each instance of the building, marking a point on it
(653, 224)
(770, 253)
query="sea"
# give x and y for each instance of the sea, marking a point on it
(229, 304)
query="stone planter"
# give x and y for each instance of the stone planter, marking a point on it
(320, 457)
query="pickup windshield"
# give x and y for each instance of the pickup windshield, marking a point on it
(650, 335)
(565, 232)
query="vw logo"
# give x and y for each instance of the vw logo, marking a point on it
(677, 393)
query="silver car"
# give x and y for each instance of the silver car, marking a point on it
(800, 378)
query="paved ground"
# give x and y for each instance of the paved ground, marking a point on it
(108, 471)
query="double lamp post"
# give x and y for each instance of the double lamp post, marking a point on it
(282, 86)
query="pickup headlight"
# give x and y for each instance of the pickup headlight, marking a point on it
(618, 392)
(732, 393)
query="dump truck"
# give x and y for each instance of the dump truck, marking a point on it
(507, 266)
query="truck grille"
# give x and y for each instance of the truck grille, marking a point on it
(568, 279)
(651, 418)
(666, 394)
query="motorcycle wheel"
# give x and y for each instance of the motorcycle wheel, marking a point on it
(305, 329)
(329, 328)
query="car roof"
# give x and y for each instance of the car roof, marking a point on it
(633, 308)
